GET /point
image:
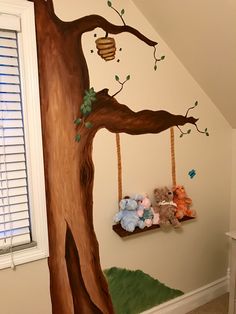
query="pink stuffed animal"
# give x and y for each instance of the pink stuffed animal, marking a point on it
(145, 211)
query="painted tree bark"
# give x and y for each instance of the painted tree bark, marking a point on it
(77, 283)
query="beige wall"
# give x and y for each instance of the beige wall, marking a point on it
(187, 259)
(233, 186)
(26, 289)
(146, 161)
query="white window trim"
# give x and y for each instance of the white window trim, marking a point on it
(30, 95)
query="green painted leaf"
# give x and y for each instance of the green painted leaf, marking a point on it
(109, 3)
(117, 78)
(88, 103)
(87, 94)
(122, 12)
(86, 97)
(88, 125)
(189, 131)
(196, 103)
(93, 98)
(128, 77)
(92, 92)
(162, 57)
(82, 107)
(155, 67)
(77, 121)
(89, 98)
(205, 129)
(78, 137)
(181, 135)
(88, 109)
(207, 134)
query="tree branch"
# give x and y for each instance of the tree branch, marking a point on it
(117, 118)
(90, 22)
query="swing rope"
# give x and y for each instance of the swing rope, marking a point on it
(172, 151)
(119, 162)
(119, 166)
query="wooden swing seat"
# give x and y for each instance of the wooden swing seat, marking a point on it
(123, 233)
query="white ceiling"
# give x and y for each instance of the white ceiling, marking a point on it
(202, 34)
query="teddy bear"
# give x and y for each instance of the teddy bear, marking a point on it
(127, 216)
(165, 207)
(183, 203)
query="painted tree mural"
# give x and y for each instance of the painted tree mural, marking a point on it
(77, 283)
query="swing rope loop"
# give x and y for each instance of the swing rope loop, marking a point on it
(119, 162)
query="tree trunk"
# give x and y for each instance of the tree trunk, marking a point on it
(77, 283)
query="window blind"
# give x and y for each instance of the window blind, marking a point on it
(14, 200)
(9, 21)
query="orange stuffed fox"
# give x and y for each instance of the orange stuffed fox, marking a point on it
(183, 203)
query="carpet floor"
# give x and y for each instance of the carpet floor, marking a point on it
(216, 306)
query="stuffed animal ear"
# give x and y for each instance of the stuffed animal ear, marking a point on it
(157, 193)
(165, 191)
(137, 197)
(122, 204)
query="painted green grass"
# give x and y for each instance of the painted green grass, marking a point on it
(133, 292)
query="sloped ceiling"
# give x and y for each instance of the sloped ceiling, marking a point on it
(202, 34)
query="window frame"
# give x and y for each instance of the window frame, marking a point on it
(33, 133)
